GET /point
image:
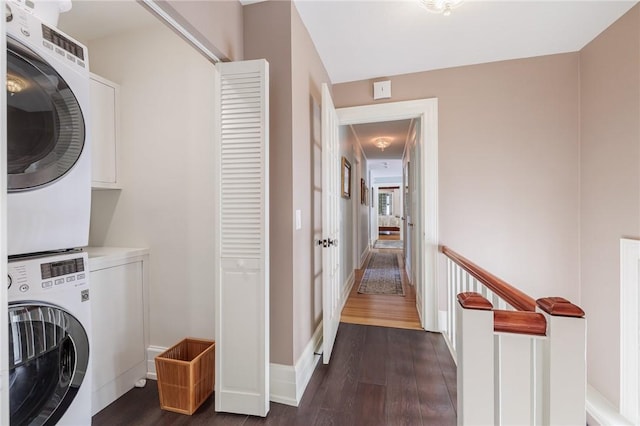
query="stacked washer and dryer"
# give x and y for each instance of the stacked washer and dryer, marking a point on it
(48, 211)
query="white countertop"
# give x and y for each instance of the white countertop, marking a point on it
(106, 257)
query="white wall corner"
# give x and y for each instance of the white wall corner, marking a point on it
(152, 353)
(601, 412)
(287, 382)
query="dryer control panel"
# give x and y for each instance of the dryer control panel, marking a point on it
(34, 276)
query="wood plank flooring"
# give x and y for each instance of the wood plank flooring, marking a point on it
(382, 310)
(377, 376)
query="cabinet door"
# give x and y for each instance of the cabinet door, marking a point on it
(104, 132)
(117, 346)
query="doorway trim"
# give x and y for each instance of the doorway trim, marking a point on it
(427, 111)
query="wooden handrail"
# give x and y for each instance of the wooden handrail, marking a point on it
(510, 294)
(520, 322)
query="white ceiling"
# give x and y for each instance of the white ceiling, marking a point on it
(360, 40)
(395, 131)
(92, 19)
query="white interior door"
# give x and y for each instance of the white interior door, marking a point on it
(331, 195)
(242, 243)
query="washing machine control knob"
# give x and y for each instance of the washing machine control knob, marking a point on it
(9, 281)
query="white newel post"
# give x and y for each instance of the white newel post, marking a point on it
(475, 347)
(564, 355)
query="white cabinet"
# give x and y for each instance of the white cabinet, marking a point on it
(104, 95)
(119, 322)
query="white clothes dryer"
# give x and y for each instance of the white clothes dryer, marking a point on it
(49, 338)
(48, 146)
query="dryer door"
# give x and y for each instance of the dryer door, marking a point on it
(48, 360)
(45, 126)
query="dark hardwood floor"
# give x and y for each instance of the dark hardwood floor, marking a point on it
(377, 376)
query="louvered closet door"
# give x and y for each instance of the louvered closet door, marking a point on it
(242, 246)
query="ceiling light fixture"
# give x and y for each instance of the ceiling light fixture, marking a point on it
(382, 143)
(15, 85)
(440, 6)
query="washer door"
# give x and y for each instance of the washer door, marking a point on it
(45, 126)
(48, 359)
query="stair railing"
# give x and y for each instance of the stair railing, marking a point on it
(519, 360)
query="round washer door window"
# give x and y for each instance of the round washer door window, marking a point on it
(48, 360)
(45, 126)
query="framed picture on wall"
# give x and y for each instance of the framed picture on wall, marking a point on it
(346, 178)
(366, 195)
(363, 190)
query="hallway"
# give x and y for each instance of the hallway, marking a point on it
(377, 376)
(382, 310)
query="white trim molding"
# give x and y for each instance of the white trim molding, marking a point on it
(289, 382)
(364, 256)
(601, 412)
(346, 290)
(152, 353)
(629, 327)
(427, 111)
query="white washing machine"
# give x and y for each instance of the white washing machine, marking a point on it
(48, 155)
(49, 339)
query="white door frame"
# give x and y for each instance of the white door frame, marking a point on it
(427, 111)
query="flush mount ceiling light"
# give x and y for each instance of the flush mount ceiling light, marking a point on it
(15, 85)
(382, 143)
(440, 6)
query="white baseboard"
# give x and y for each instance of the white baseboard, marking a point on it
(363, 257)
(442, 321)
(152, 353)
(346, 289)
(601, 412)
(287, 382)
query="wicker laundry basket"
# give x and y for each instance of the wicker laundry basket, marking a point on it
(186, 373)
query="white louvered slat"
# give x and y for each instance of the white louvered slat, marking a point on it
(242, 245)
(242, 165)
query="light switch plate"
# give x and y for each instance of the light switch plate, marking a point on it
(382, 89)
(298, 219)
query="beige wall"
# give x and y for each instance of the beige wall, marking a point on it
(610, 186)
(267, 34)
(217, 24)
(274, 30)
(307, 75)
(166, 170)
(508, 164)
